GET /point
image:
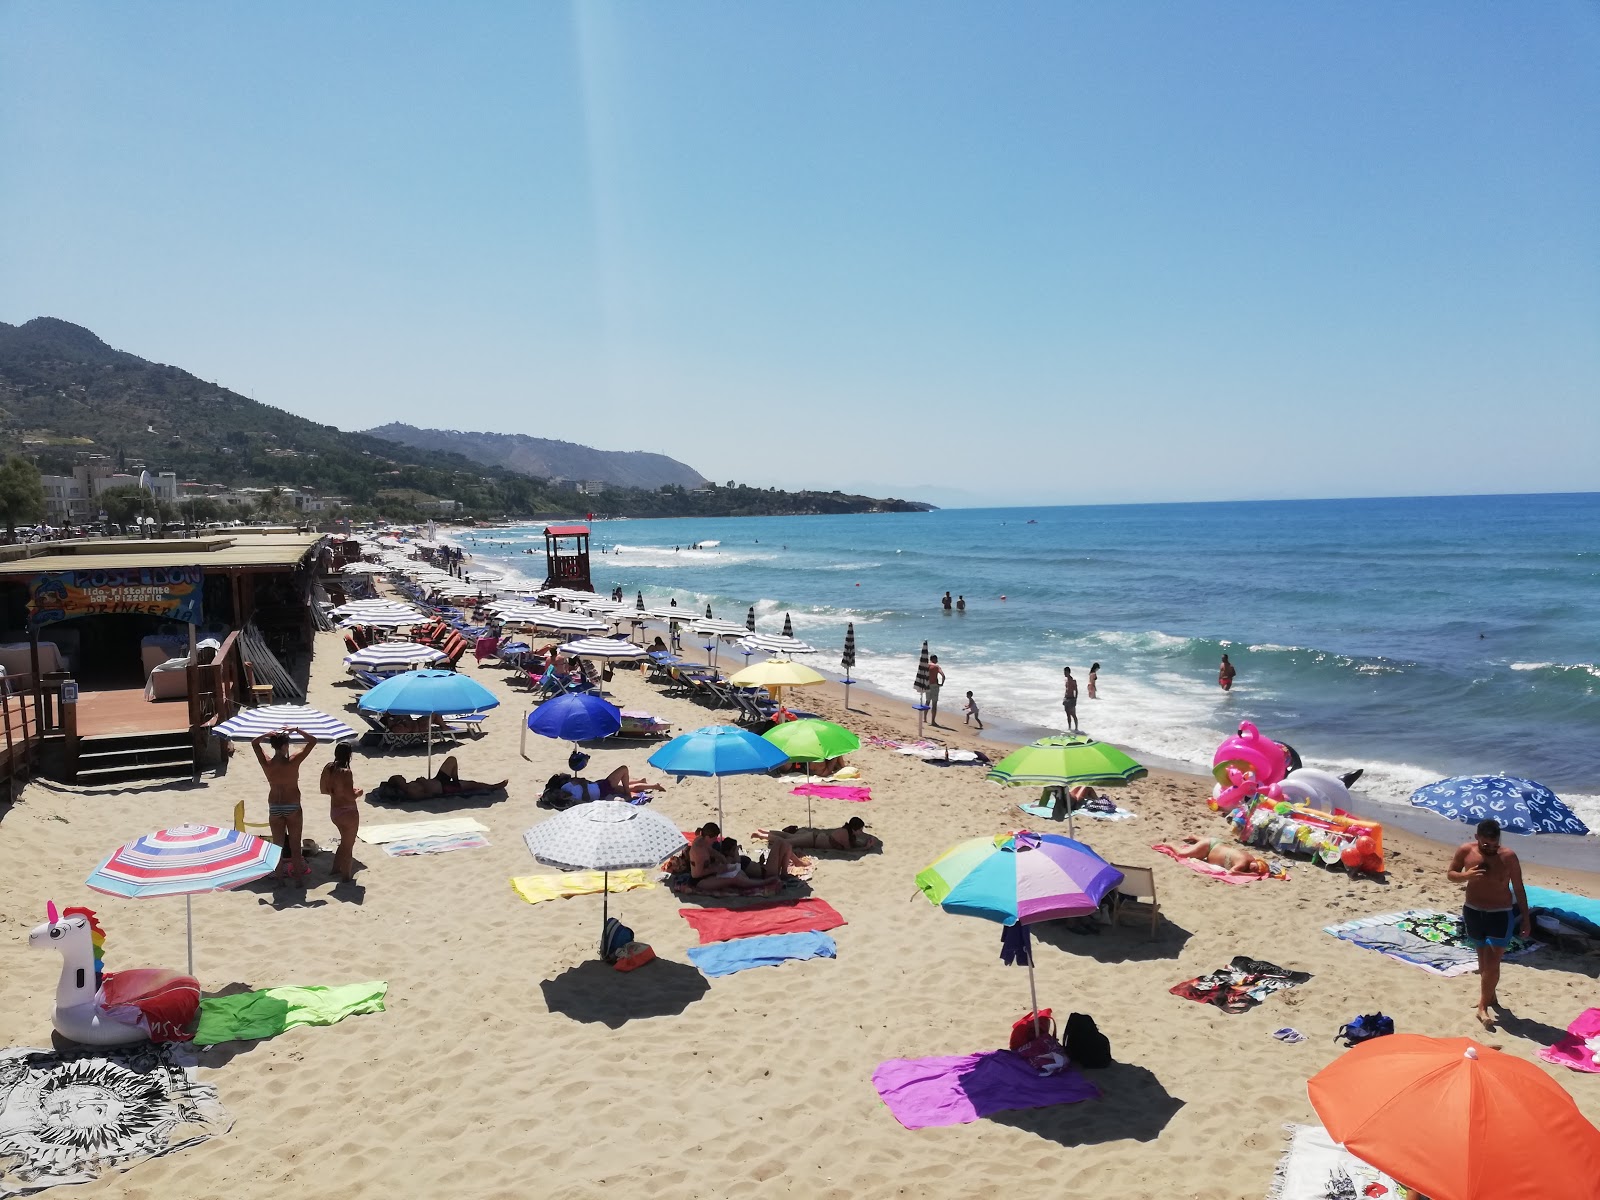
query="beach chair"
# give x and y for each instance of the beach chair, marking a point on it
(240, 825)
(260, 693)
(392, 740)
(1138, 884)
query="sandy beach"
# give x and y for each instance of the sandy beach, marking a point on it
(511, 1063)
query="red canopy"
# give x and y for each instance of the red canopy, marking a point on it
(566, 531)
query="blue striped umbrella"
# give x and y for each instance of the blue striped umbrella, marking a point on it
(1520, 805)
(182, 861)
(253, 722)
(394, 654)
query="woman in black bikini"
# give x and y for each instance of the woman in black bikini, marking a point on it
(851, 835)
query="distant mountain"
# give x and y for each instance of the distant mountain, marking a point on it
(547, 459)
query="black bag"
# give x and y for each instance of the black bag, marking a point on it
(1086, 1045)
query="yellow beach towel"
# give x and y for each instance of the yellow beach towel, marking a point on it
(534, 888)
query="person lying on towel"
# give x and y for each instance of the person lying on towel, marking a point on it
(851, 835)
(563, 790)
(1235, 859)
(446, 781)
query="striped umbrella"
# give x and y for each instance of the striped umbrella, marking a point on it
(182, 861)
(708, 612)
(848, 659)
(921, 685)
(253, 722)
(788, 626)
(776, 643)
(750, 619)
(602, 648)
(570, 622)
(394, 654)
(715, 629)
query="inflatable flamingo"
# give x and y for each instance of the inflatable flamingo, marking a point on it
(99, 1009)
(1259, 754)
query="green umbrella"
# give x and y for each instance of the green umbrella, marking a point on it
(1066, 761)
(812, 740)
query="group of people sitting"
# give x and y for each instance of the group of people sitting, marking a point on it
(715, 863)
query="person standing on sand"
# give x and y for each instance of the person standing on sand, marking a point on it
(339, 785)
(1496, 904)
(935, 682)
(283, 796)
(1069, 698)
(945, 603)
(1225, 674)
(1094, 677)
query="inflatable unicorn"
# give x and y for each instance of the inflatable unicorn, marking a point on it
(99, 1009)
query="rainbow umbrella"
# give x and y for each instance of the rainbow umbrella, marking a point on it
(1019, 879)
(182, 861)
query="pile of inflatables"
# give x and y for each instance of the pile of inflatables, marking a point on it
(1275, 803)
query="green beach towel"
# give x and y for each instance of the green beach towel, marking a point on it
(251, 1016)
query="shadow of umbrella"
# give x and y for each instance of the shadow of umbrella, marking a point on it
(1122, 943)
(595, 993)
(1133, 1104)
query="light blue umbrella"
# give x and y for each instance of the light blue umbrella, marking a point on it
(718, 750)
(428, 694)
(1520, 805)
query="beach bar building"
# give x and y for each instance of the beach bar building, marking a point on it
(566, 557)
(132, 650)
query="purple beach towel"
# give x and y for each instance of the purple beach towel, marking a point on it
(955, 1090)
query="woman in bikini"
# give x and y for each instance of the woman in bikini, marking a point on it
(339, 785)
(849, 836)
(282, 770)
(563, 790)
(1234, 859)
(446, 781)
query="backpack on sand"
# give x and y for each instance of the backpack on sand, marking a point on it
(1365, 1028)
(1086, 1045)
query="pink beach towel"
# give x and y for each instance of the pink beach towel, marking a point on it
(832, 791)
(1210, 870)
(1580, 1049)
(924, 1092)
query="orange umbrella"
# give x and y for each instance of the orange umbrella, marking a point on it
(1458, 1121)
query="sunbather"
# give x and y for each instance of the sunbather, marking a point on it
(717, 866)
(849, 836)
(399, 723)
(563, 790)
(446, 781)
(1231, 858)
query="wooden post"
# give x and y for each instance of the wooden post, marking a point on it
(69, 727)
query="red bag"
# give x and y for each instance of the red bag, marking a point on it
(1024, 1030)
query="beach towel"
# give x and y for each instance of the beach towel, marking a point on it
(833, 791)
(955, 1090)
(1420, 937)
(377, 835)
(1578, 911)
(535, 888)
(74, 1116)
(252, 1016)
(780, 916)
(1315, 1167)
(436, 845)
(1580, 1049)
(724, 958)
(1241, 985)
(1050, 812)
(1211, 870)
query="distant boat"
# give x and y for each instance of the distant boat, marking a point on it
(1032, 522)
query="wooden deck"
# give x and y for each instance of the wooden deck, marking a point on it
(125, 710)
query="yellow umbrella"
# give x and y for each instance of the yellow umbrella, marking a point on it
(776, 672)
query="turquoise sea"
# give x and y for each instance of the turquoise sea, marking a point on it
(1416, 638)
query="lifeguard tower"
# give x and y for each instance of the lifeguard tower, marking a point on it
(566, 557)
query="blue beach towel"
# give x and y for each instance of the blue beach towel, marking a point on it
(1574, 910)
(724, 958)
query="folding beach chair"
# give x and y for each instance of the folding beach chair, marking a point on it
(1138, 883)
(392, 740)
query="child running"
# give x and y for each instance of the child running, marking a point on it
(969, 713)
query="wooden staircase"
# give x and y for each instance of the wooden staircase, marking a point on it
(114, 759)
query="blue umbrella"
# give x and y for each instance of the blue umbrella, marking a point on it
(576, 717)
(718, 750)
(1520, 805)
(428, 694)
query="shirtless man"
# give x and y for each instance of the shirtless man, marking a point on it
(1233, 859)
(1495, 897)
(931, 695)
(283, 796)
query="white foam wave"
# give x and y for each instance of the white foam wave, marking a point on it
(1559, 668)
(657, 557)
(1150, 640)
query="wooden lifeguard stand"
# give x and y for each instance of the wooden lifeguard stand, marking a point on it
(566, 557)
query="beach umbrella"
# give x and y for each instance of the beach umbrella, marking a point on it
(1520, 805)
(428, 694)
(361, 568)
(716, 629)
(1067, 761)
(569, 622)
(576, 717)
(848, 659)
(1019, 879)
(183, 861)
(776, 643)
(638, 601)
(382, 655)
(775, 673)
(253, 722)
(1457, 1120)
(750, 619)
(788, 626)
(920, 685)
(708, 612)
(715, 751)
(812, 740)
(602, 648)
(604, 836)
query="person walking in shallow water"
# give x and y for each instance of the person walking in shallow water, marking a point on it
(1225, 674)
(1069, 698)
(1094, 678)
(945, 602)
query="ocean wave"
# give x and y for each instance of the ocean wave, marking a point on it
(1558, 669)
(1150, 640)
(628, 557)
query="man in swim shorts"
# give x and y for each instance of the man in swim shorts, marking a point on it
(1495, 897)
(935, 682)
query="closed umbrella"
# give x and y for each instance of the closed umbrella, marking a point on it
(848, 659)
(920, 684)
(388, 655)
(1520, 805)
(750, 619)
(1019, 879)
(715, 751)
(788, 626)
(812, 740)
(253, 722)
(1457, 1120)
(708, 612)
(604, 836)
(183, 861)
(429, 694)
(1067, 761)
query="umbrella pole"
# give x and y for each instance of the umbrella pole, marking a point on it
(808, 795)
(719, 801)
(523, 749)
(188, 913)
(430, 743)
(1033, 991)
(605, 908)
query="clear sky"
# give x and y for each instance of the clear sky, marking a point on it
(1036, 252)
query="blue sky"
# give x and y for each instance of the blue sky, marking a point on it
(1026, 252)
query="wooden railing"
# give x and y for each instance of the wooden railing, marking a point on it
(215, 692)
(19, 716)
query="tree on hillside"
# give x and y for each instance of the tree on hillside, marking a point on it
(21, 495)
(123, 504)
